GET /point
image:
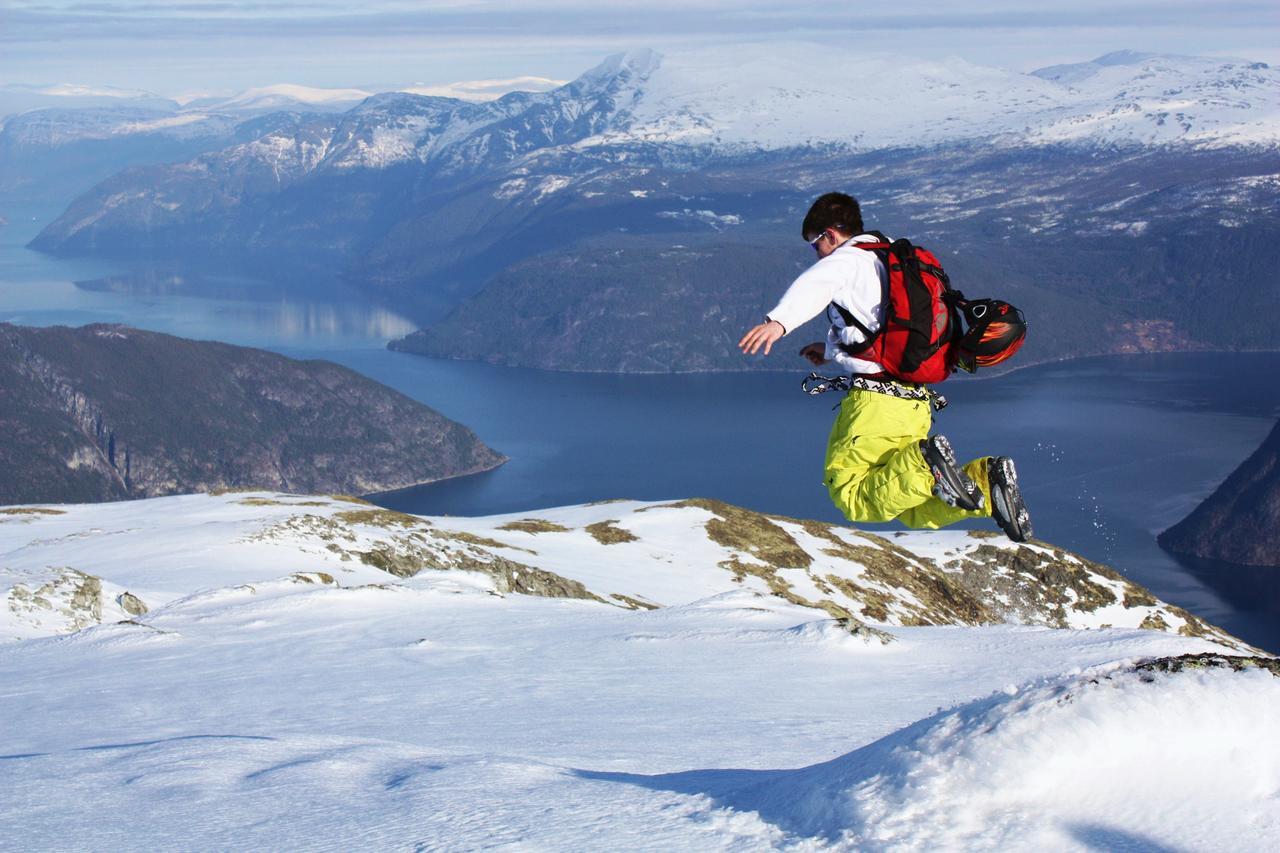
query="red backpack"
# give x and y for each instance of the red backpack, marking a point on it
(920, 320)
(929, 329)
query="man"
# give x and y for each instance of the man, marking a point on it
(881, 463)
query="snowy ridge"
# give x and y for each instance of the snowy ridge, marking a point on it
(737, 101)
(801, 96)
(333, 675)
(627, 554)
(286, 95)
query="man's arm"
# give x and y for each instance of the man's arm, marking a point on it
(807, 296)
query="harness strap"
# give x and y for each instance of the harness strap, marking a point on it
(815, 384)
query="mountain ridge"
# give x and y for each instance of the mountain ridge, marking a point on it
(108, 412)
(1240, 521)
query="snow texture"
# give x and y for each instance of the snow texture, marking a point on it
(257, 680)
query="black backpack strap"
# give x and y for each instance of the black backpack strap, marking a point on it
(850, 320)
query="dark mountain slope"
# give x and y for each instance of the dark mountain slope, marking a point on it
(109, 412)
(1240, 521)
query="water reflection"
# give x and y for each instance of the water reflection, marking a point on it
(289, 311)
(275, 306)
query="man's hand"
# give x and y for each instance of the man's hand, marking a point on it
(816, 353)
(765, 335)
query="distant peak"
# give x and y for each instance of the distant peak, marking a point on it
(1123, 57)
(640, 62)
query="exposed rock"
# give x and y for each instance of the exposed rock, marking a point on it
(70, 599)
(131, 604)
(608, 533)
(1210, 660)
(683, 552)
(535, 525)
(404, 545)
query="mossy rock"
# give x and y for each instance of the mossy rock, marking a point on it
(388, 559)
(752, 533)
(510, 576)
(1154, 622)
(387, 519)
(534, 525)
(607, 533)
(1138, 597)
(1210, 660)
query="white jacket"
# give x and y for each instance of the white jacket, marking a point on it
(852, 278)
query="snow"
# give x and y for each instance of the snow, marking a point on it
(486, 90)
(737, 99)
(708, 217)
(284, 94)
(78, 90)
(277, 695)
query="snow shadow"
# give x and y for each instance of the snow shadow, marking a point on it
(134, 745)
(1094, 836)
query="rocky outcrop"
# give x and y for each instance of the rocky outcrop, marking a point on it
(626, 554)
(1239, 522)
(109, 412)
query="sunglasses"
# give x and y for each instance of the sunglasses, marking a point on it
(816, 240)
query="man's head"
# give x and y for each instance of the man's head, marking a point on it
(832, 219)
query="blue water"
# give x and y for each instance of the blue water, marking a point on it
(1110, 450)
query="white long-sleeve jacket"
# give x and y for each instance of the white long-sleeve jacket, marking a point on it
(852, 278)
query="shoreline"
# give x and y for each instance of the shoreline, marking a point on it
(987, 375)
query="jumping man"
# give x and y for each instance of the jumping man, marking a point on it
(881, 463)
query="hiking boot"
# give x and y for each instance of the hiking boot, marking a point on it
(950, 482)
(1007, 507)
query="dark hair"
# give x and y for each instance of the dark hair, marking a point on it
(833, 210)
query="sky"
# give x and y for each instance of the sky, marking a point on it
(172, 47)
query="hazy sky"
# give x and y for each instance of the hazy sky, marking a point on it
(175, 46)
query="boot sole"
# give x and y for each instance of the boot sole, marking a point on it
(1008, 508)
(968, 495)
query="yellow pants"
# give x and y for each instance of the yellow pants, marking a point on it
(874, 468)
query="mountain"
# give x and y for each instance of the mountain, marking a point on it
(621, 675)
(1239, 522)
(1120, 197)
(108, 412)
(283, 96)
(50, 156)
(17, 98)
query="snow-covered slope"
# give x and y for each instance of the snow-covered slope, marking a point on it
(623, 553)
(285, 96)
(802, 96)
(275, 683)
(15, 98)
(52, 128)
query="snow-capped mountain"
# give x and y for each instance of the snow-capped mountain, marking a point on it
(283, 96)
(485, 90)
(733, 102)
(53, 128)
(16, 98)
(283, 671)
(417, 193)
(864, 101)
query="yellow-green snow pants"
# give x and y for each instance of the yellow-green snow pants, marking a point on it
(874, 468)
